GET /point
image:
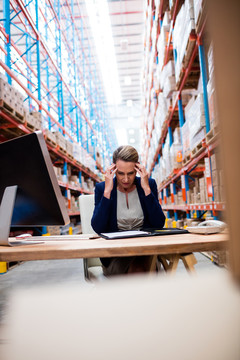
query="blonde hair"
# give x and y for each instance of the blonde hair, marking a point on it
(125, 153)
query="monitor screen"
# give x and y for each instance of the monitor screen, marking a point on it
(26, 165)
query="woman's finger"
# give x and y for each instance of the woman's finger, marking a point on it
(110, 168)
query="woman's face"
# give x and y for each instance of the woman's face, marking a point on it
(125, 174)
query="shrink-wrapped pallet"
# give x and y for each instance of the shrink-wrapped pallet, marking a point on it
(184, 25)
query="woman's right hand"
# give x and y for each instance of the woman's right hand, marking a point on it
(109, 175)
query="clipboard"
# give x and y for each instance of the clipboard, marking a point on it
(142, 233)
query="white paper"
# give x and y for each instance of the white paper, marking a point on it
(129, 233)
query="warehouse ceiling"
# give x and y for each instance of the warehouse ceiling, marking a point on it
(127, 27)
(127, 21)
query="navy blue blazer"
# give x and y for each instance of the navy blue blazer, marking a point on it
(104, 217)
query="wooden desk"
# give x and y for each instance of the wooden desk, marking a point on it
(81, 247)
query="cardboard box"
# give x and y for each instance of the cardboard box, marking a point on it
(179, 224)
(222, 194)
(213, 162)
(221, 178)
(217, 193)
(215, 178)
(54, 230)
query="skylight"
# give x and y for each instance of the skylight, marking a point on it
(99, 20)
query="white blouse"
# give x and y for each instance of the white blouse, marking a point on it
(129, 217)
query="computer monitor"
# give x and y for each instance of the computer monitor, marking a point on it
(29, 192)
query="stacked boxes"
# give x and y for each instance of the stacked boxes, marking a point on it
(17, 101)
(12, 98)
(196, 192)
(34, 120)
(83, 157)
(202, 190)
(50, 138)
(54, 230)
(185, 139)
(176, 150)
(38, 119)
(194, 115)
(184, 25)
(166, 156)
(6, 92)
(58, 173)
(87, 160)
(74, 206)
(211, 90)
(73, 180)
(69, 149)
(161, 113)
(77, 152)
(179, 198)
(61, 142)
(163, 39)
(217, 179)
(167, 79)
(87, 184)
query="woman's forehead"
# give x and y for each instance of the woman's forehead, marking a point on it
(125, 166)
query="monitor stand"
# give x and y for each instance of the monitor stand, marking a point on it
(6, 211)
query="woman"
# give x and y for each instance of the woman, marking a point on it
(126, 202)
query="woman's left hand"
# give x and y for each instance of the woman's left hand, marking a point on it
(144, 178)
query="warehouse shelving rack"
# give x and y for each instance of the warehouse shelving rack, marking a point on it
(46, 54)
(192, 164)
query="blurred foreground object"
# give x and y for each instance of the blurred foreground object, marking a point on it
(224, 27)
(137, 317)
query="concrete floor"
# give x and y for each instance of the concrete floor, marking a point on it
(70, 272)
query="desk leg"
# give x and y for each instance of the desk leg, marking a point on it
(169, 262)
(153, 264)
(174, 260)
(189, 261)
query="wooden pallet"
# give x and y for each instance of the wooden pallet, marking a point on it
(30, 126)
(187, 158)
(9, 110)
(6, 106)
(78, 162)
(197, 149)
(50, 142)
(19, 116)
(50, 138)
(62, 150)
(70, 156)
(181, 75)
(189, 49)
(212, 135)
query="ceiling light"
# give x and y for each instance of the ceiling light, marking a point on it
(121, 136)
(127, 80)
(129, 103)
(131, 131)
(132, 141)
(130, 119)
(98, 15)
